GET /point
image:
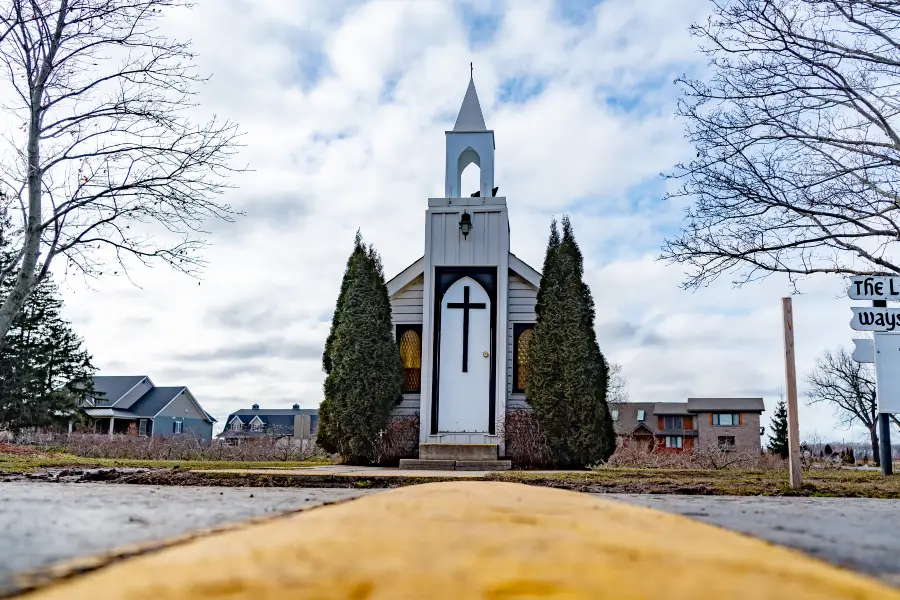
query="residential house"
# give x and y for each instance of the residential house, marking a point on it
(121, 401)
(725, 423)
(255, 422)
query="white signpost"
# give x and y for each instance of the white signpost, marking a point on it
(883, 351)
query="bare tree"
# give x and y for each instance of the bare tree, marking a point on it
(849, 387)
(617, 389)
(797, 142)
(102, 160)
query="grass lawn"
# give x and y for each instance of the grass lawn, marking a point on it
(11, 463)
(816, 482)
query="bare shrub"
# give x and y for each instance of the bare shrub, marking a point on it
(525, 443)
(631, 453)
(180, 447)
(399, 440)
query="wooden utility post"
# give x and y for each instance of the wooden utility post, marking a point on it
(790, 371)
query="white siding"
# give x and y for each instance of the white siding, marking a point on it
(408, 406)
(406, 305)
(486, 244)
(406, 308)
(522, 298)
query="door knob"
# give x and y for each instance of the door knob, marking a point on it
(485, 354)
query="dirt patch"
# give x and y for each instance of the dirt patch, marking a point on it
(845, 484)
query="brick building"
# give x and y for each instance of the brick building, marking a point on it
(726, 423)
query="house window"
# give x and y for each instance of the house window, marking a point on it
(641, 415)
(236, 425)
(726, 419)
(178, 427)
(523, 333)
(726, 442)
(673, 423)
(615, 414)
(409, 337)
(674, 441)
(142, 427)
(256, 425)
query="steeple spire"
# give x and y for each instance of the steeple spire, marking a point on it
(470, 117)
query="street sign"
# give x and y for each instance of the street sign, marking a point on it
(887, 372)
(864, 351)
(874, 288)
(870, 318)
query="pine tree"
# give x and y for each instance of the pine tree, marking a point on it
(44, 369)
(362, 360)
(326, 437)
(778, 439)
(568, 375)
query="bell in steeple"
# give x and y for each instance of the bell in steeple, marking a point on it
(470, 142)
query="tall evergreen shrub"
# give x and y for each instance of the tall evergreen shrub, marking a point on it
(568, 376)
(362, 362)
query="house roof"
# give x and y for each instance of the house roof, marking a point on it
(274, 411)
(274, 417)
(725, 404)
(97, 413)
(113, 387)
(155, 400)
(670, 408)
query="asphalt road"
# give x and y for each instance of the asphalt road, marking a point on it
(861, 534)
(44, 523)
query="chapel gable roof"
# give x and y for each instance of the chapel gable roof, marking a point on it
(417, 269)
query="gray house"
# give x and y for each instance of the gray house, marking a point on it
(255, 422)
(121, 401)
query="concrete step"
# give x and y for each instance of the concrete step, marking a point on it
(427, 465)
(416, 464)
(483, 465)
(465, 452)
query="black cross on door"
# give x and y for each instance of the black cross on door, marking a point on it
(465, 305)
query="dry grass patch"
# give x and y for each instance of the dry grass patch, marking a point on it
(730, 482)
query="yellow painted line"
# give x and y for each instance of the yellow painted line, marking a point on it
(473, 540)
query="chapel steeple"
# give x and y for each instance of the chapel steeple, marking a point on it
(470, 117)
(469, 142)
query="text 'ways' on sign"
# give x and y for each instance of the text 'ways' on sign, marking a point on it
(867, 318)
(874, 288)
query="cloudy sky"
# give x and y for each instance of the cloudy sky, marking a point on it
(344, 107)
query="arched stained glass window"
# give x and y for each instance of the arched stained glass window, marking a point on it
(411, 357)
(522, 333)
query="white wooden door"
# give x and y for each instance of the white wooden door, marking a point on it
(465, 362)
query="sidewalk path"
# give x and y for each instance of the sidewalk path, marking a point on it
(466, 539)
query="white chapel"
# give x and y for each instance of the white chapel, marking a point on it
(464, 313)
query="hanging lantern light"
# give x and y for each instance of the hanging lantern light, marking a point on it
(465, 224)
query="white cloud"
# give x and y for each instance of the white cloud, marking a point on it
(344, 105)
